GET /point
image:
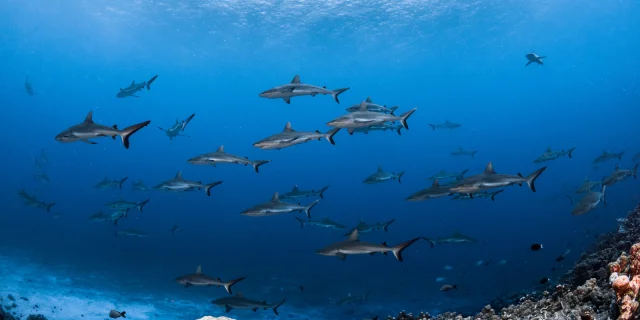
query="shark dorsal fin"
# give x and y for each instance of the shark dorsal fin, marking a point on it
(199, 270)
(89, 118)
(133, 82)
(221, 149)
(361, 224)
(435, 184)
(368, 100)
(489, 169)
(354, 235)
(275, 198)
(617, 167)
(380, 169)
(178, 176)
(287, 127)
(296, 79)
(447, 121)
(363, 106)
(548, 149)
(586, 179)
(295, 188)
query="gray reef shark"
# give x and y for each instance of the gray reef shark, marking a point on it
(489, 179)
(32, 201)
(89, 130)
(364, 228)
(365, 118)
(297, 88)
(351, 299)
(131, 233)
(354, 246)
(620, 175)
(220, 156)
(324, 223)
(482, 194)
(179, 184)
(179, 126)
(297, 193)
(446, 125)
(134, 87)
(379, 127)
(435, 191)
(604, 156)
(590, 201)
(240, 302)
(110, 184)
(139, 186)
(201, 279)
(457, 237)
(552, 155)
(42, 177)
(462, 152)
(275, 207)
(534, 58)
(381, 176)
(121, 204)
(449, 175)
(99, 217)
(289, 137)
(372, 107)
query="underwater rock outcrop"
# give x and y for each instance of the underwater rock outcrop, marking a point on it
(603, 284)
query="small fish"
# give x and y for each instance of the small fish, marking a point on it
(117, 314)
(544, 280)
(440, 279)
(536, 247)
(448, 287)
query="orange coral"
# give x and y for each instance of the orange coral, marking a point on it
(627, 286)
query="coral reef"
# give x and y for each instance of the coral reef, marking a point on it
(603, 284)
(214, 318)
(7, 311)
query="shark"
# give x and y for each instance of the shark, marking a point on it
(448, 175)
(482, 194)
(605, 156)
(179, 126)
(297, 88)
(353, 246)
(590, 201)
(379, 127)
(134, 87)
(28, 87)
(88, 130)
(364, 228)
(351, 299)
(446, 125)
(219, 156)
(462, 152)
(457, 237)
(289, 137)
(364, 118)
(435, 191)
(297, 193)
(117, 215)
(110, 184)
(122, 204)
(201, 279)
(534, 58)
(620, 175)
(42, 177)
(489, 179)
(549, 155)
(324, 223)
(138, 186)
(175, 229)
(32, 201)
(99, 217)
(372, 107)
(179, 184)
(275, 207)
(240, 302)
(382, 176)
(131, 233)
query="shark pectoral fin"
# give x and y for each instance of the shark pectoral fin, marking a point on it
(254, 309)
(89, 142)
(287, 100)
(227, 308)
(187, 285)
(350, 131)
(342, 256)
(385, 253)
(133, 95)
(372, 253)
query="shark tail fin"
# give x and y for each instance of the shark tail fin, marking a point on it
(531, 179)
(186, 122)
(400, 177)
(127, 132)
(463, 173)
(392, 110)
(405, 116)
(620, 155)
(493, 196)
(141, 204)
(337, 92)
(569, 197)
(275, 308)
(330, 135)
(208, 187)
(397, 250)
(569, 153)
(49, 206)
(122, 181)
(635, 170)
(322, 191)
(228, 285)
(307, 209)
(387, 224)
(528, 63)
(604, 198)
(256, 164)
(433, 126)
(431, 242)
(301, 222)
(398, 130)
(151, 81)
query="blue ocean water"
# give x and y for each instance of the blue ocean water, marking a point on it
(461, 61)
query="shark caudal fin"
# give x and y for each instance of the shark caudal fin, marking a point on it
(49, 206)
(256, 164)
(321, 192)
(207, 188)
(337, 92)
(392, 110)
(400, 177)
(635, 170)
(141, 204)
(301, 222)
(397, 250)
(531, 179)
(151, 81)
(398, 130)
(431, 242)
(569, 153)
(275, 308)
(126, 133)
(122, 181)
(228, 285)
(330, 135)
(387, 224)
(186, 122)
(433, 126)
(405, 116)
(307, 209)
